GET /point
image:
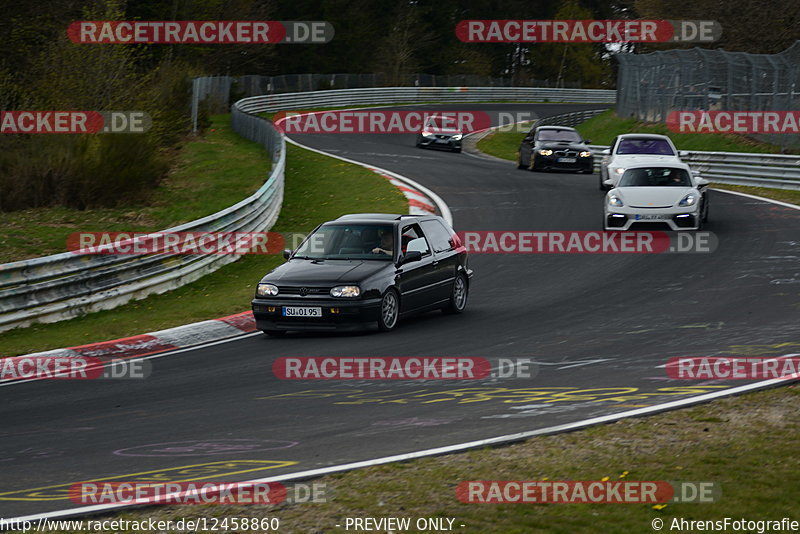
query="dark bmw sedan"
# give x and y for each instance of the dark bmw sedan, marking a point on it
(550, 148)
(365, 270)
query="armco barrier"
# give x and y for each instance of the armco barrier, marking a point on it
(414, 95)
(775, 171)
(61, 286)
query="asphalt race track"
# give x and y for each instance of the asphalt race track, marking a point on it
(602, 327)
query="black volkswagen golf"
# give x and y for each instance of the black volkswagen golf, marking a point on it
(363, 270)
(555, 148)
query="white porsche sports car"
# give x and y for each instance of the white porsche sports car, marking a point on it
(648, 193)
(635, 147)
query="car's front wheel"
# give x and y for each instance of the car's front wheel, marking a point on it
(390, 310)
(458, 296)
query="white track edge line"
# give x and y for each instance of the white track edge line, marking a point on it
(507, 438)
(755, 197)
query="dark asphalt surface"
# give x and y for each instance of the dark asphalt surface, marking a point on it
(603, 323)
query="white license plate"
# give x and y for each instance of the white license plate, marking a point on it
(296, 311)
(652, 217)
(442, 141)
(567, 160)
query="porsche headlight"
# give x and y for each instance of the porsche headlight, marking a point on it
(688, 200)
(615, 201)
(546, 152)
(266, 290)
(585, 154)
(346, 291)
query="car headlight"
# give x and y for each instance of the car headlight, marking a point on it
(688, 200)
(457, 137)
(615, 201)
(585, 154)
(345, 291)
(619, 170)
(546, 152)
(266, 290)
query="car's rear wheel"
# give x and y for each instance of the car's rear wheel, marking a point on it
(603, 187)
(390, 310)
(458, 296)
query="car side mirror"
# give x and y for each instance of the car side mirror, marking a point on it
(410, 256)
(587, 141)
(682, 153)
(701, 182)
(286, 254)
(609, 183)
(606, 152)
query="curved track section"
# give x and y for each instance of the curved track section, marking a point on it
(602, 327)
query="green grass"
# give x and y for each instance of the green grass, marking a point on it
(745, 444)
(602, 129)
(318, 188)
(784, 195)
(209, 174)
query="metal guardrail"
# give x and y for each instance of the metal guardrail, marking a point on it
(569, 119)
(412, 95)
(61, 286)
(774, 171)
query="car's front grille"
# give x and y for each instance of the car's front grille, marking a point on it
(442, 136)
(302, 291)
(566, 153)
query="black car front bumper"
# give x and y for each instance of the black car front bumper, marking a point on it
(552, 163)
(337, 315)
(440, 141)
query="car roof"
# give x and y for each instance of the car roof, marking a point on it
(381, 217)
(556, 128)
(668, 164)
(643, 136)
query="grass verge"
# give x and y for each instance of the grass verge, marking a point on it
(784, 195)
(318, 188)
(602, 129)
(746, 444)
(209, 174)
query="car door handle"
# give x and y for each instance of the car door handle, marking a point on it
(435, 263)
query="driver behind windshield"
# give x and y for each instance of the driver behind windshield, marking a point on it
(387, 243)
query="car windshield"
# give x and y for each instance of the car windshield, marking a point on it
(659, 147)
(655, 177)
(348, 242)
(444, 124)
(559, 135)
